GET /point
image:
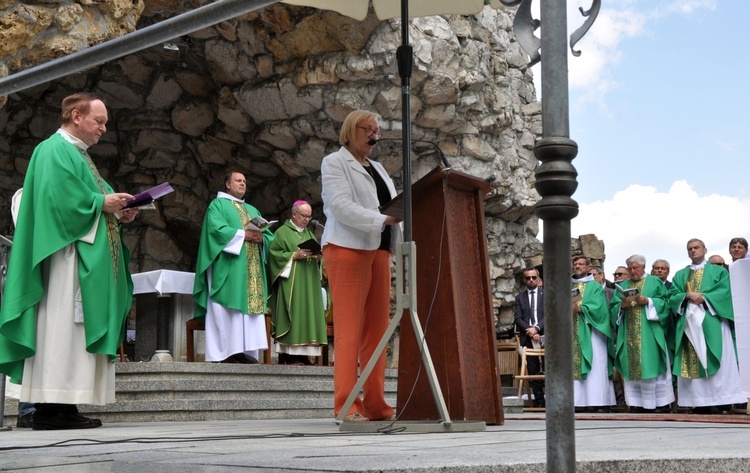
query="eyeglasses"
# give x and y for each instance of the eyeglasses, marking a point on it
(369, 132)
(530, 277)
(617, 275)
(306, 217)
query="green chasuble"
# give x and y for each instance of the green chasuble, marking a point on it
(593, 314)
(63, 195)
(713, 282)
(297, 315)
(238, 282)
(641, 345)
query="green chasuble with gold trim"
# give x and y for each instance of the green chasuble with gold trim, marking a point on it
(63, 195)
(713, 282)
(593, 314)
(297, 314)
(641, 346)
(238, 282)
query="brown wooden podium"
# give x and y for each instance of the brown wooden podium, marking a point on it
(454, 304)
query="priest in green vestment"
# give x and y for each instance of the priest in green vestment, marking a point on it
(68, 289)
(297, 314)
(592, 340)
(705, 356)
(640, 310)
(231, 285)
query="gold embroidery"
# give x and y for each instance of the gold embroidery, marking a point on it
(256, 297)
(694, 280)
(633, 319)
(577, 374)
(690, 364)
(113, 230)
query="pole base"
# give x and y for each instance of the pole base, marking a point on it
(423, 426)
(162, 356)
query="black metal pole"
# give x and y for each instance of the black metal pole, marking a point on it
(162, 322)
(405, 58)
(158, 33)
(556, 183)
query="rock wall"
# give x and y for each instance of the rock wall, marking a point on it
(265, 94)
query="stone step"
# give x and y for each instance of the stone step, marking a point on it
(211, 391)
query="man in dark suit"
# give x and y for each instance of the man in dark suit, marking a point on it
(608, 287)
(660, 269)
(529, 315)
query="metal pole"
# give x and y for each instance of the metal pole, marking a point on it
(158, 33)
(556, 182)
(405, 57)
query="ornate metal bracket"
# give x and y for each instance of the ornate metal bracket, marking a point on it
(524, 26)
(591, 15)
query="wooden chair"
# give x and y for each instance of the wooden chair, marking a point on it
(508, 358)
(524, 377)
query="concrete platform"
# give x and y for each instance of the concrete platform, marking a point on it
(604, 443)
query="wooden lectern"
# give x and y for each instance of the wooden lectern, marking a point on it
(454, 304)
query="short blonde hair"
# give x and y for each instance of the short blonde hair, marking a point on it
(349, 127)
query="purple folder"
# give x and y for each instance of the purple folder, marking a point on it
(149, 195)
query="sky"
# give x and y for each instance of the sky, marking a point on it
(660, 109)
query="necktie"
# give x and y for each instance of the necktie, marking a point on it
(532, 303)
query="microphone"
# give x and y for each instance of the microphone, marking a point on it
(316, 224)
(443, 159)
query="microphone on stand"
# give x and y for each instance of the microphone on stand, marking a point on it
(316, 224)
(443, 159)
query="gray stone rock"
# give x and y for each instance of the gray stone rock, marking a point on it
(193, 118)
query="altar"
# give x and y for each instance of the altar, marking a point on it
(171, 292)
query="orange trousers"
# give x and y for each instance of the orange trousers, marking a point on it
(360, 284)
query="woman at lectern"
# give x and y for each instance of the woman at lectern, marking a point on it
(357, 243)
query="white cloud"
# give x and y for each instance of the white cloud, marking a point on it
(642, 220)
(599, 48)
(688, 7)
(590, 74)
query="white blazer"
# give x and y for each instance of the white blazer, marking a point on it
(350, 203)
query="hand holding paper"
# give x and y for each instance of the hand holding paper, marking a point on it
(148, 196)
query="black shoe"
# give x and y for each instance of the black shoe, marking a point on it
(25, 421)
(61, 421)
(725, 409)
(73, 410)
(602, 410)
(305, 360)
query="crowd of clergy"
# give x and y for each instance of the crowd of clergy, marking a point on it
(643, 343)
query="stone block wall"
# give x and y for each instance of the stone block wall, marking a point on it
(265, 94)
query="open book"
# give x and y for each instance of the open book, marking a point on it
(259, 223)
(145, 199)
(311, 245)
(625, 293)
